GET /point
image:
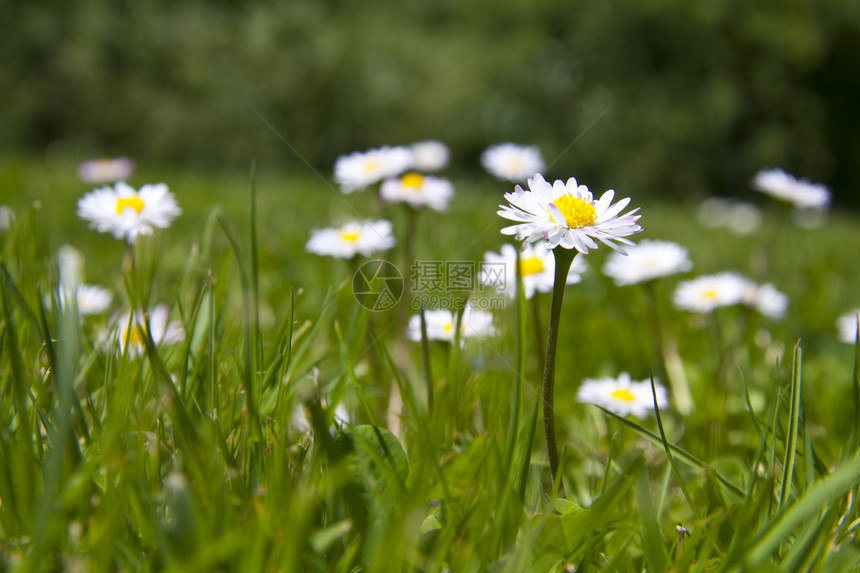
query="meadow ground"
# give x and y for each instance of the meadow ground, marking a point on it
(222, 451)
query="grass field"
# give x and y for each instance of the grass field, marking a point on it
(222, 452)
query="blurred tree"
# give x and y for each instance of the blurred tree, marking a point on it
(656, 96)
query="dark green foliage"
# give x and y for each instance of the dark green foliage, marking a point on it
(664, 97)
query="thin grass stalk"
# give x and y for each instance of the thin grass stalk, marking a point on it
(519, 363)
(563, 260)
(668, 450)
(425, 358)
(855, 386)
(211, 405)
(64, 378)
(395, 402)
(793, 425)
(656, 330)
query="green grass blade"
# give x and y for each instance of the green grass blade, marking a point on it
(807, 506)
(519, 363)
(793, 426)
(679, 453)
(668, 451)
(854, 443)
(653, 543)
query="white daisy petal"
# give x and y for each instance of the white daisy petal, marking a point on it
(360, 169)
(799, 192)
(418, 191)
(622, 395)
(566, 214)
(441, 322)
(647, 261)
(512, 162)
(351, 239)
(105, 170)
(127, 213)
(847, 325)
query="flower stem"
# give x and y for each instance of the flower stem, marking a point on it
(563, 260)
(538, 325)
(656, 330)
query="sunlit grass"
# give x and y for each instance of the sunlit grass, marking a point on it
(190, 456)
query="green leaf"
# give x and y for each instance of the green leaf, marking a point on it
(323, 539)
(380, 456)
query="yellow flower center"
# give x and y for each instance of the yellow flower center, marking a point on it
(531, 266)
(371, 165)
(577, 213)
(448, 327)
(134, 202)
(351, 236)
(625, 395)
(133, 337)
(412, 180)
(710, 293)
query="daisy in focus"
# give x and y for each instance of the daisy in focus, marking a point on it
(566, 215)
(127, 213)
(418, 190)
(537, 270)
(360, 169)
(707, 293)
(351, 239)
(622, 395)
(90, 299)
(847, 325)
(127, 330)
(512, 162)
(441, 324)
(429, 156)
(647, 261)
(106, 170)
(801, 193)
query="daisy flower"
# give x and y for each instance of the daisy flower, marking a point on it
(105, 170)
(429, 155)
(440, 325)
(622, 395)
(537, 270)
(300, 422)
(127, 330)
(847, 325)
(738, 217)
(801, 193)
(360, 169)
(512, 162)
(766, 299)
(127, 213)
(566, 214)
(707, 293)
(351, 239)
(418, 190)
(647, 261)
(90, 299)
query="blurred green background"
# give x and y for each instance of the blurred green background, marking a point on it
(662, 97)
